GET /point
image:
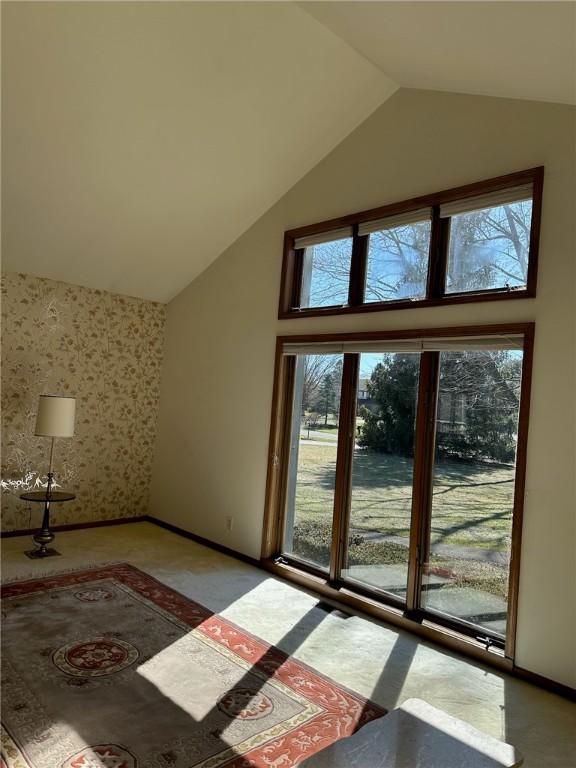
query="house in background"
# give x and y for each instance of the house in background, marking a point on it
(202, 203)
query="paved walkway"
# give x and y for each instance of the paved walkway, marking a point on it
(446, 550)
(325, 436)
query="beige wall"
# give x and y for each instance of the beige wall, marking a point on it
(103, 349)
(217, 380)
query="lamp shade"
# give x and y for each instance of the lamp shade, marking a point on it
(55, 416)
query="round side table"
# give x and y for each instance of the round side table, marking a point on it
(44, 536)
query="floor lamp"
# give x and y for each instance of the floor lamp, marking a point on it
(55, 419)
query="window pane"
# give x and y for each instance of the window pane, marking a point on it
(382, 471)
(489, 248)
(398, 263)
(326, 274)
(466, 573)
(312, 463)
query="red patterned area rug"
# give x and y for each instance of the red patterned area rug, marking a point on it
(109, 668)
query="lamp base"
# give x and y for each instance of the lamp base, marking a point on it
(36, 554)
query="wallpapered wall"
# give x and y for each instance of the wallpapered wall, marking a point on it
(103, 349)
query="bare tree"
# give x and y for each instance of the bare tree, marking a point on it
(489, 248)
(398, 262)
(328, 273)
(316, 368)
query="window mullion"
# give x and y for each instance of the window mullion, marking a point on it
(438, 255)
(296, 299)
(422, 477)
(358, 268)
(344, 458)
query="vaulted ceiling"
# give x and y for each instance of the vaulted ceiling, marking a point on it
(141, 139)
(520, 50)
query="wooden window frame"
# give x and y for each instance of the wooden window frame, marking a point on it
(292, 263)
(374, 602)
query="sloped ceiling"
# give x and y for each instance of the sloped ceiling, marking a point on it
(521, 50)
(141, 139)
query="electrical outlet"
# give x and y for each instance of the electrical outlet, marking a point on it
(229, 523)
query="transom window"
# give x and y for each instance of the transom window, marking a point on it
(398, 256)
(326, 270)
(474, 243)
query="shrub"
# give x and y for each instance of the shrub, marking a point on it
(313, 541)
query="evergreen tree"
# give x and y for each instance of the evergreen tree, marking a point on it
(389, 428)
(325, 402)
(477, 410)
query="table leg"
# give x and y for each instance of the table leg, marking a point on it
(44, 535)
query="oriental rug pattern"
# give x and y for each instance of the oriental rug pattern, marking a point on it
(109, 668)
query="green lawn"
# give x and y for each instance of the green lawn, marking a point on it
(472, 503)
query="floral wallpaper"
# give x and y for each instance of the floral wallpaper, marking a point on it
(105, 350)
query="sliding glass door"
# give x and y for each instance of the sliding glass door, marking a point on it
(378, 534)
(400, 478)
(313, 445)
(469, 535)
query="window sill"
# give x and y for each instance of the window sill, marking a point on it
(427, 629)
(383, 306)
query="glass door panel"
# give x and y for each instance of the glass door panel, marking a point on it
(382, 472)
(312, 462)
(466, 568)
